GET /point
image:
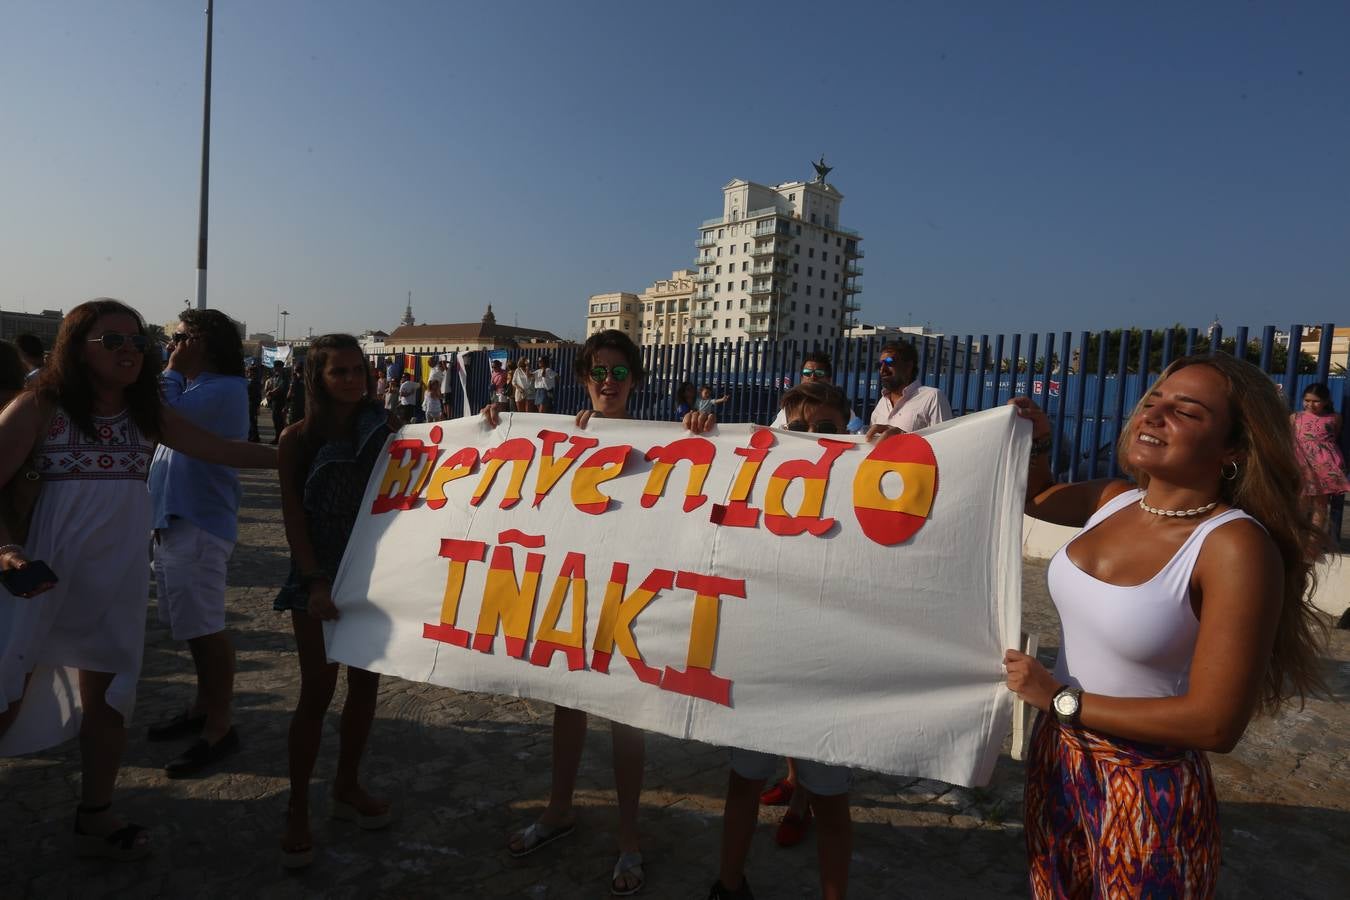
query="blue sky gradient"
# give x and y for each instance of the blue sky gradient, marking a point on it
(1010, 166)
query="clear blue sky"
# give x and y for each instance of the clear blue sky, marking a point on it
(1010, 165)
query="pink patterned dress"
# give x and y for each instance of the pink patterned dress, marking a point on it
(1318, 455)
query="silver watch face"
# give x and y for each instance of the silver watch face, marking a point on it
(1066, 703)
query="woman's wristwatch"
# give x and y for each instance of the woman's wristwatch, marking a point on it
(1066, 705)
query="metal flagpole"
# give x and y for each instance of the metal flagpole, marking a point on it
(206, 168)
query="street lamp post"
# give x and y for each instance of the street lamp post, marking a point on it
(284, 316)
(206, 168)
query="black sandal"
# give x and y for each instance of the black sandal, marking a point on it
(120, 845)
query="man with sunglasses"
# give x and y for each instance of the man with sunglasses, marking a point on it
(905, 405)
(196, 507)
(817, 368)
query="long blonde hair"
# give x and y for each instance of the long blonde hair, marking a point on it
(1268, 487)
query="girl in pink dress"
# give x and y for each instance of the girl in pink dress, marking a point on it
(1316, 430)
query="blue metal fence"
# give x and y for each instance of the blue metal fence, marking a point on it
(1088, 382)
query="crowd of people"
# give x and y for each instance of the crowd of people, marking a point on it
(1183, 598)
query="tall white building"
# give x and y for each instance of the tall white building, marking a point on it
(776, 264)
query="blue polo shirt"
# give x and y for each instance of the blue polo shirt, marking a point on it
(205, 494)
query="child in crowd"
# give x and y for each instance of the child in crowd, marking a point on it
(432, 406)
(325, 461)
(706, 403)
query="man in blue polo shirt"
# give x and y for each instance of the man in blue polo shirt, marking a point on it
(196, 506)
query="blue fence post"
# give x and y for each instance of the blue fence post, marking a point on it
(1324, 352)
(1079, 385)
(1122, 362)
(1098, 402)
(1267, 348)
(1291, 366)
(1061, 406)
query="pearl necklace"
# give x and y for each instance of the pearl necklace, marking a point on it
(1177, 513)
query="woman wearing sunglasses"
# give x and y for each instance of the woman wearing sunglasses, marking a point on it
(610, 364)
(90, 428)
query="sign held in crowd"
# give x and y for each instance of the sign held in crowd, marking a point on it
(825, 598)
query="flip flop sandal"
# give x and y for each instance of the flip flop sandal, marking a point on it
(629, 864)
(348, 813)
(538, 836)
(120, 845)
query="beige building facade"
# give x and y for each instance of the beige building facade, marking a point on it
(666, 308)
(776, 264)
(618, 310)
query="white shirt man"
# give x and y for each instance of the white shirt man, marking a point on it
(905, 404)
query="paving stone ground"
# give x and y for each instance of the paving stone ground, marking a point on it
(464, 769)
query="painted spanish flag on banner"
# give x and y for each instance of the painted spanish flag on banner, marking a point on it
(817, 596)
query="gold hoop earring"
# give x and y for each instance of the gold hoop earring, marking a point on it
(1227, 476)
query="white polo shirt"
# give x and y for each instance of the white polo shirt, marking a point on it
(918, 408)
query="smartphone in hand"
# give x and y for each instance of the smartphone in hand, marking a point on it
(31, 577)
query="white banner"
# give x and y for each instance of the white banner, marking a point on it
(823, 598)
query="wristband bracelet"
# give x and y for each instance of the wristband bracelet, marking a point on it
(1041, 446)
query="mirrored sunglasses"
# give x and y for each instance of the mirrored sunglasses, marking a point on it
(112, 340)
(887, 362)
(823, 427)
(600, 373)
(815, 373)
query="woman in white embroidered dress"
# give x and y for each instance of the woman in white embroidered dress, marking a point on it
(1183, 609)
(90, 429)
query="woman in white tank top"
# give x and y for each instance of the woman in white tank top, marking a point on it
(1183, 611)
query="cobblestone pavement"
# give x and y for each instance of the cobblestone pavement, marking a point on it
(464, 769)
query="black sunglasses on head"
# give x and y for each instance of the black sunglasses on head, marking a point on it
(822, 427)
(113, 340)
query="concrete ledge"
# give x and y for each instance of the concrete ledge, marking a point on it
(1041, 540)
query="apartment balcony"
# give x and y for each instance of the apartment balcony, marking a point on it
(764, 328)
(701, 331)
(704, 278)
(762, 288)
(760, 308)
(702, 314)
(704, 294)
(765, 270)
(851, 305)
(769, 248)
(705, 261)
(853, 268)
(852, 287)
(854, 251)
(703, 242)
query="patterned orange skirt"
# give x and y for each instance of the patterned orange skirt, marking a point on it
(1110, 818)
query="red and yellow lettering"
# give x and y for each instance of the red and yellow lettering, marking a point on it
(738, 512)
(697, 679)
(404, 477)
(698, 451)
(460, 553)
(815, 478)
(508, 604)
(460, 464)
(519, 452)
(601, 466)
(617, 614)
(552, 470)
(891, 521)
(549, 639)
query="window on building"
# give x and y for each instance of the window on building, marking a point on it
(818, 330)
(720, 231)
(745, 266)
(719, 270)
(811, 252)
(832, 314)
(813, 218)
(834, 295)
(731, 285)
(836, 259)
(810, 271)
(828, 224)
(792, 198)
(792, 324)
(732, 250)
(794, 268)
(717, 287)
(719, 251)
(742, 304)
(839, 242)
(836, 277)
(822, 293)
(740, 323)
(794, 305)
(794, 287)
(797, 249)
(743, 283)
(799, 230)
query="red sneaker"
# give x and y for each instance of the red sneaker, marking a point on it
(791, 830)
(778, 795)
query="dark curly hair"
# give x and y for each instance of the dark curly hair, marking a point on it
(64, 381)
(224, 347)
(611, 339)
